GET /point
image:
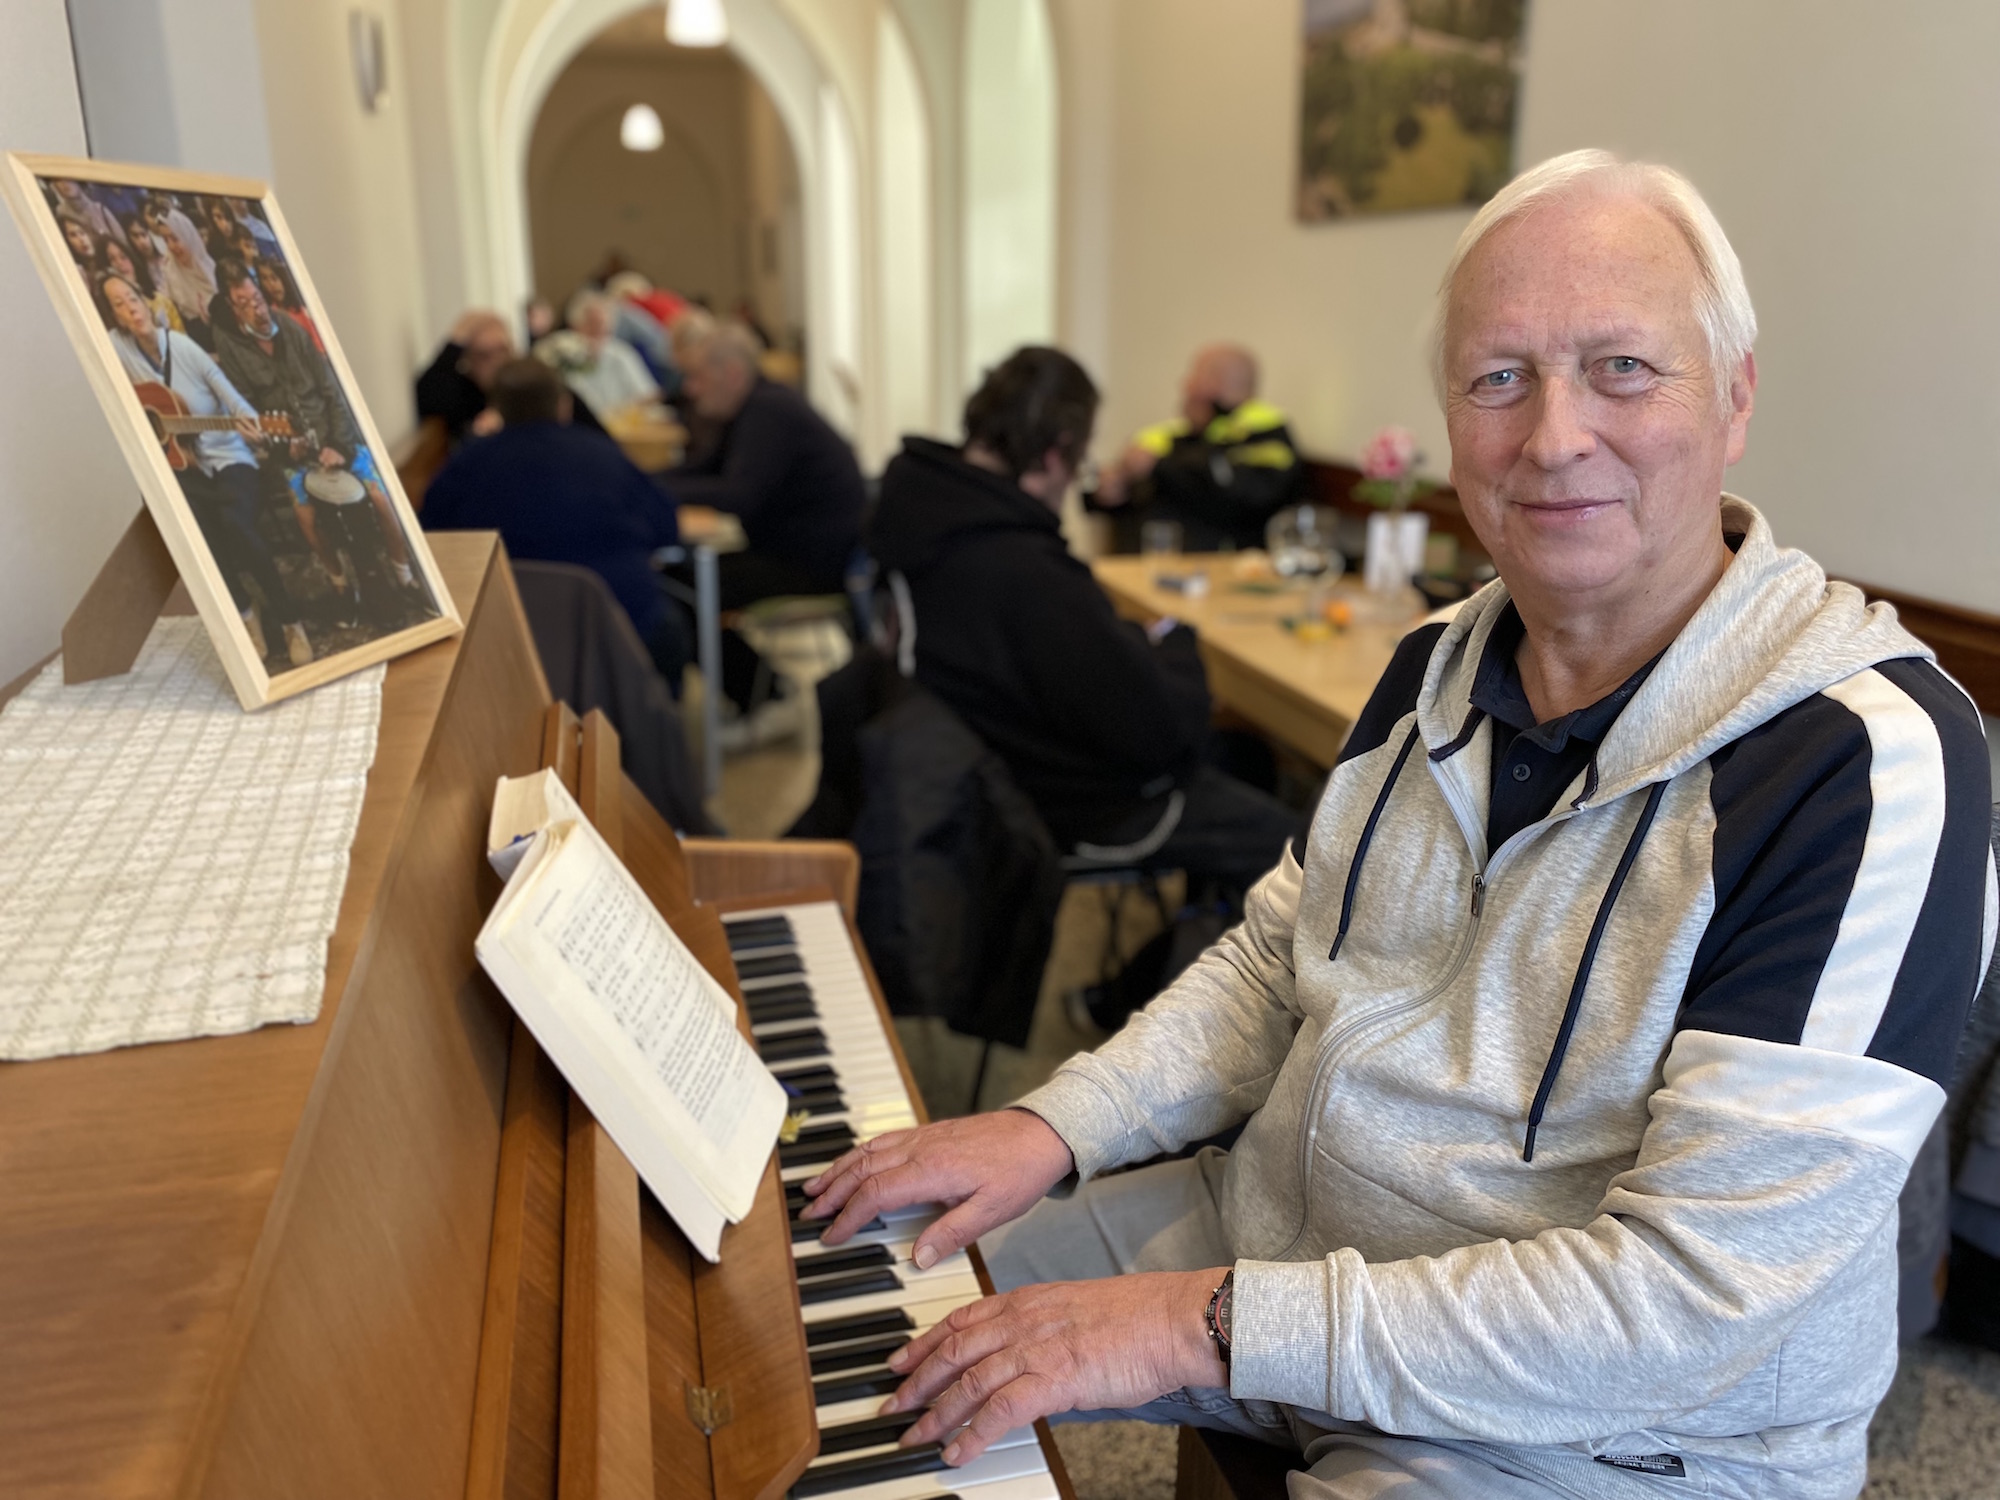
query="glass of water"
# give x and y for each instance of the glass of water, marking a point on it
(1160, 538)
(1300, 541)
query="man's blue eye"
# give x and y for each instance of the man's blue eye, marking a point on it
(1499, 377)
(1624, 364)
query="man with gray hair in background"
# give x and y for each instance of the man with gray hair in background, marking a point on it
(779, 467)
(1582, 1050)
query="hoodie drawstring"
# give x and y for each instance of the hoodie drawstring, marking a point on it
(1367, 838)
(1583, 968)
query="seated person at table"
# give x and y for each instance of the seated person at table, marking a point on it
(1583, 1049)
(1101, 723)
(560, 493)
(454, 388)
(1221, 469)
(607, 374)
(778, 467)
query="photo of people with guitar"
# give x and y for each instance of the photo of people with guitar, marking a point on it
(250, 414)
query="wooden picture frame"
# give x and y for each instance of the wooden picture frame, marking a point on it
(318, 517)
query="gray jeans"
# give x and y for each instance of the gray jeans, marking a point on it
(1164, 1218)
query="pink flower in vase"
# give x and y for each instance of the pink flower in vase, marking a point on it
(1390, 454)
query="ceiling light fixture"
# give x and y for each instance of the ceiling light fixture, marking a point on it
(696, 23)
(641, 129)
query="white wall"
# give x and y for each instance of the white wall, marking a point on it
(172, 82)
(1010, 181)
(1851, 150)
(65, 493)
(346, 180)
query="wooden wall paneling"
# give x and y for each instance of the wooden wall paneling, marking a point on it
(354, 1343)
(606, 1443)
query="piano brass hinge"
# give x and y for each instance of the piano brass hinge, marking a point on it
(709, 1407)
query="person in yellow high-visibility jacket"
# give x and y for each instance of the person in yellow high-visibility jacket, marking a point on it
(1222, 468)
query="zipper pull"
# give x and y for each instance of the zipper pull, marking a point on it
(1478, 896)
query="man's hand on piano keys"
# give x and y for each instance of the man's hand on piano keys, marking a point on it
(1003, 1362)
(986, 1169)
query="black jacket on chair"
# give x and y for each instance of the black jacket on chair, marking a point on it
(593, 659)
(960, 880)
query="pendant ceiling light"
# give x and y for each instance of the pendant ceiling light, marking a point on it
(641, 130)
(696, 23)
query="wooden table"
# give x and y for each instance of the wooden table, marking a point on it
(650, 436)
(1305, 694)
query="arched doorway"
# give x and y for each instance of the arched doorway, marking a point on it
(710, 208)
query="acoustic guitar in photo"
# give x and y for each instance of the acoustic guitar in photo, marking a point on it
(171, 421)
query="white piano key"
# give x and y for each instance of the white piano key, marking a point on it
(1041, 1486)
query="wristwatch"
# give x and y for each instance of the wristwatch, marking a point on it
(1219, 1312)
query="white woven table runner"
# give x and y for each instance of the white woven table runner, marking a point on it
(171, 866)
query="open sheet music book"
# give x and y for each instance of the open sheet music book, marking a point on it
(639, 1028)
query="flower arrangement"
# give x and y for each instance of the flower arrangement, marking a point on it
(1389, 470)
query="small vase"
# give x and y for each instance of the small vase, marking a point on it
(1395, 550)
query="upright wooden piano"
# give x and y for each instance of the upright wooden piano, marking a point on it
(389, 1254)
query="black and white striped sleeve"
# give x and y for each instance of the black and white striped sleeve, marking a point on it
(1854, 884)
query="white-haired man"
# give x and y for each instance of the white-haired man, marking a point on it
(1584, 1047)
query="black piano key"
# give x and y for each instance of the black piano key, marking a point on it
(820, 1102)
(812, 1229)
(768, 965)
(784, 1010)
(794, 1046)
(810, 1153)
(853, 1386)
(859, 1326)
(868, 1432)
(852, 1473)
(858, 1354)
(772, 994)
(807, 1076)
(846, 1258)
(855, 1284)
(758, 932)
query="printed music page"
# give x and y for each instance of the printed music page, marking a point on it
(640, 1029)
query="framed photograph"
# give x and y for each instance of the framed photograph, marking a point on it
(1407, 104)
(214, 360)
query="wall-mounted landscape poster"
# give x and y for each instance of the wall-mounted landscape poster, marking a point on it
(1407, 104)
(213, 357)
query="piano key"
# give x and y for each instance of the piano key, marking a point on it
(804, 1230)
(784, 1010)
(994, 1475)
(845, 1258)
(769, 965)
(807, 1076)
(849, 1287)
(771, 933)
(832, 1478)
(846, 1437)
(805, 1044)
(855, 1385)
(812, 1153)
(953, 1287)
(833, 1330)
(778, 994)
(858, 1353)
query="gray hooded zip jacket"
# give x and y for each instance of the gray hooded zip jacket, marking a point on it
(1592, 1143)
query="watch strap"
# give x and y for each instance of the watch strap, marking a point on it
(1217, 1314)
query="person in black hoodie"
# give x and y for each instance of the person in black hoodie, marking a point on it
(1101, 723)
